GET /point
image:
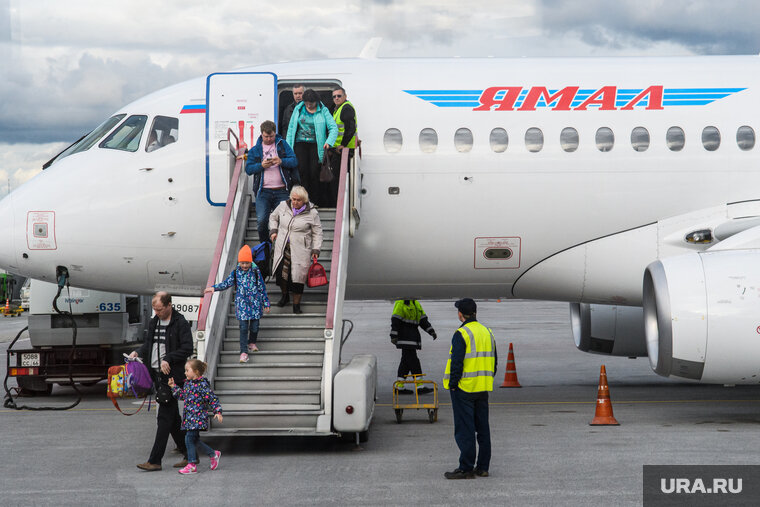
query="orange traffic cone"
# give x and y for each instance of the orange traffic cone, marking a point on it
(510, 377)
(603, 415)
(7, 309)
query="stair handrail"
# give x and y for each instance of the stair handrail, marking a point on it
(335, 294)
(210, 330)
(338, 246)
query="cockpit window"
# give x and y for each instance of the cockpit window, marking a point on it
(165, 130)
(127, 136)
(93, 137)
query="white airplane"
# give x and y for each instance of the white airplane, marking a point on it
(610, 183)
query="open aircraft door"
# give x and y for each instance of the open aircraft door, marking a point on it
(237, 101)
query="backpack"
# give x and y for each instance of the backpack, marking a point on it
(262, 257)
(129, 380)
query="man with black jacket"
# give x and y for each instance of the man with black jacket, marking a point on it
(168, 345)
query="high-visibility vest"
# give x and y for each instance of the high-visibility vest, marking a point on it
(342, 126)
(479, 359)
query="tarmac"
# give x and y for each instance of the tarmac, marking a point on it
(544, 451)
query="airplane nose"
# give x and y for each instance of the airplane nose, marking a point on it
(7, 236)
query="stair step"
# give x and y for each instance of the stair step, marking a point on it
(275, 357)
(273, 408)
(284, 319)
(270, 370)
(316, 344)
(233, 332)
(284, 397)
(269, 432)
(268, 383)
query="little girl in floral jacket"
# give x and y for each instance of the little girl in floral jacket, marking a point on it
(199, 398)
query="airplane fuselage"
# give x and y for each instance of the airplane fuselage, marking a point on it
(430, 212)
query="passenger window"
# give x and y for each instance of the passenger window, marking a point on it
(605, 139)
(675, 139)
(640, 139)
(568, 139)
(428, 140)
(463, 140)
(710, 138)
(127, 136)
(499, 140)
(745, 138)
(392, 140)
(93, 137)
(534, 139)
(165, 131)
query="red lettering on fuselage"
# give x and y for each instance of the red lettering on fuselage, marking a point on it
(655, 99)
(488, 98)
(561, 100)
(563, 97)
(604, 97)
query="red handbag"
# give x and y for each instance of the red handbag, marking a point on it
(317, 275)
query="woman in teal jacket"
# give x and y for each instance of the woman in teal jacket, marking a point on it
(311, 131)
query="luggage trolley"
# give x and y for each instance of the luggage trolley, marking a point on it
(416, 381)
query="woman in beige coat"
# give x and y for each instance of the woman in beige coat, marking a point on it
(297, 238)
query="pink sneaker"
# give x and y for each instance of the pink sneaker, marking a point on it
(215, 460)
(243, 357)
(189, 469)
(252, 347)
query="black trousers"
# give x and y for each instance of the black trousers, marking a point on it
(308, 169)
(410, 363)
(471, 424)
(169, 422)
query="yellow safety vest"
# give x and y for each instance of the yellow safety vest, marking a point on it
(342, 126)
(479, 359)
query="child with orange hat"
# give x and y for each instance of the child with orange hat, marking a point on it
(250, 299)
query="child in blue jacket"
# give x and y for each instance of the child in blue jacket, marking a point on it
(199, 398)
(250, 299)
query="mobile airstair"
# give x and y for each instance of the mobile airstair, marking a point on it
(297, 384)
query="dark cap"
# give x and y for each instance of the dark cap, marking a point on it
(467, 306)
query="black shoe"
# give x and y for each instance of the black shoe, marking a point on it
(405, 391)
(285, 299)
(424, 390)
(297, 308)
(480, 473)
(459, 474)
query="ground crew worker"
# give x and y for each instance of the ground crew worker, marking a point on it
(469, 377)
(407, 316)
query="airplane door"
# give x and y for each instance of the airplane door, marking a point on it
(239, 101)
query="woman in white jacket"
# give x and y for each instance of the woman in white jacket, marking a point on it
(297, 238)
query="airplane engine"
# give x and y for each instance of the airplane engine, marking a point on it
(606, 329)
(702, 316)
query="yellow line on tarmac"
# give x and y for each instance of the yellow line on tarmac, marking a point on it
(616, 402)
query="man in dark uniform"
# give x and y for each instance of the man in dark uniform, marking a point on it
(168, 345)
(469, 377)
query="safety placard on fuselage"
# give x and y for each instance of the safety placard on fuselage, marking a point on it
(497, 253)
(40, 230)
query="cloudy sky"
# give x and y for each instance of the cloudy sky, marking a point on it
(65, 66)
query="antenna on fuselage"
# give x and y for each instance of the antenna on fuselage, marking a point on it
(370, 48)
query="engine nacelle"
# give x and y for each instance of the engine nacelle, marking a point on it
(702, 316)
(605, 329)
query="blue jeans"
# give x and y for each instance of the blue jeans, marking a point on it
(249, 331)
(193, 439)
(471, 418)
(266, 202)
